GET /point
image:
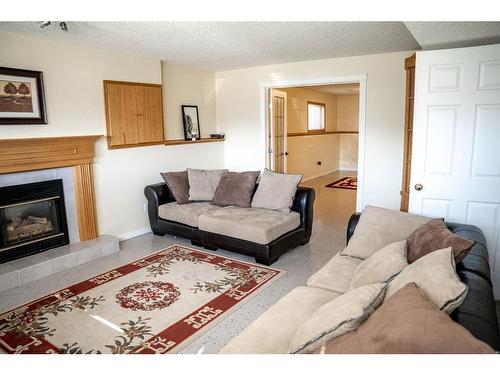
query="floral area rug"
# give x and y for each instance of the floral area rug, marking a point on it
(157, 304)
(350, 183)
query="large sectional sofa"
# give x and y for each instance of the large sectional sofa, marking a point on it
(477, 312)
(262, 233)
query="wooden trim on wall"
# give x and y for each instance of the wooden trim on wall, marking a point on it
(410, 61)
(408, 131)
(107, 81)
(131, 145)
(173, 142)
(323, 133)
(28, 154)
(83, 180)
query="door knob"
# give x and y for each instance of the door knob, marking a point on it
(419, 187)
(286, 153)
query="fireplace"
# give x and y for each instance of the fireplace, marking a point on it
(32, 219)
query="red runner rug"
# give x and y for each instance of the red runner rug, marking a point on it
(157, 304)
(350, 183)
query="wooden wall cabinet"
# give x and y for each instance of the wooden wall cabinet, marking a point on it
(134, 114)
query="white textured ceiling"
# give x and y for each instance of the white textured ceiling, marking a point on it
(233, 45)
(437, 35)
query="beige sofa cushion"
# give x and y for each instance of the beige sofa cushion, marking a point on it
(382, 266)
(272, 331)
(188, 214)
(378, 227)
(435, 274)
(344, 314)
(250, 224)
(276, 190)
(203, 183)
(408, 324)
(336, 275)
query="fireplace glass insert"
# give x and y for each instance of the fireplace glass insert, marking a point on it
(32, 219)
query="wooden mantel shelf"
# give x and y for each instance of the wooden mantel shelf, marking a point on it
(29, 154)
(173, 142)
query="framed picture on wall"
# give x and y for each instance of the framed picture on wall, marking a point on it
(191, 121)
(22, 99)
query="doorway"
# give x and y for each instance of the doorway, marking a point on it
(278, 133)
(309, 130)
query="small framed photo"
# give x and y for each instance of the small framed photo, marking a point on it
(22, 99)
(191, 121)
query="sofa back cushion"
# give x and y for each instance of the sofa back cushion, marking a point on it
(378, 227)
(435, 274)
(408, 323)
(336, 275)
(435, 235)
(382, 266)
(235, 189)
(178, 183)
(344, 314)
(203, 183)
(276, 191)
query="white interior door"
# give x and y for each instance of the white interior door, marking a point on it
(278, 147)
(456, 141)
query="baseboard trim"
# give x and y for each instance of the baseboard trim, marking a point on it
(133, 233)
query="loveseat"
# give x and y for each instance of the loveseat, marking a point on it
(476, 313)
(261, 233)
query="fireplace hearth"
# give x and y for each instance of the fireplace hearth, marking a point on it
(32, 219)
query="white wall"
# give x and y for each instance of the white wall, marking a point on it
(296, 108)
(238, 115)
(335, 151)
(305, 151)
(348, 112)
(348, 119)
(348, 152)
(74, 94)
(188, 86)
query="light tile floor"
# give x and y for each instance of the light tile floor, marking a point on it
(332, 210)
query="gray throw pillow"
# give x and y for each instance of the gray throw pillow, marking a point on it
(203, 183)
(276, 191)
(235, 189)
(178, 184)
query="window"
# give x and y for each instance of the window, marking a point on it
(315, 117)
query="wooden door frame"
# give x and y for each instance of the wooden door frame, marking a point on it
(265, 119)
(409, 107)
